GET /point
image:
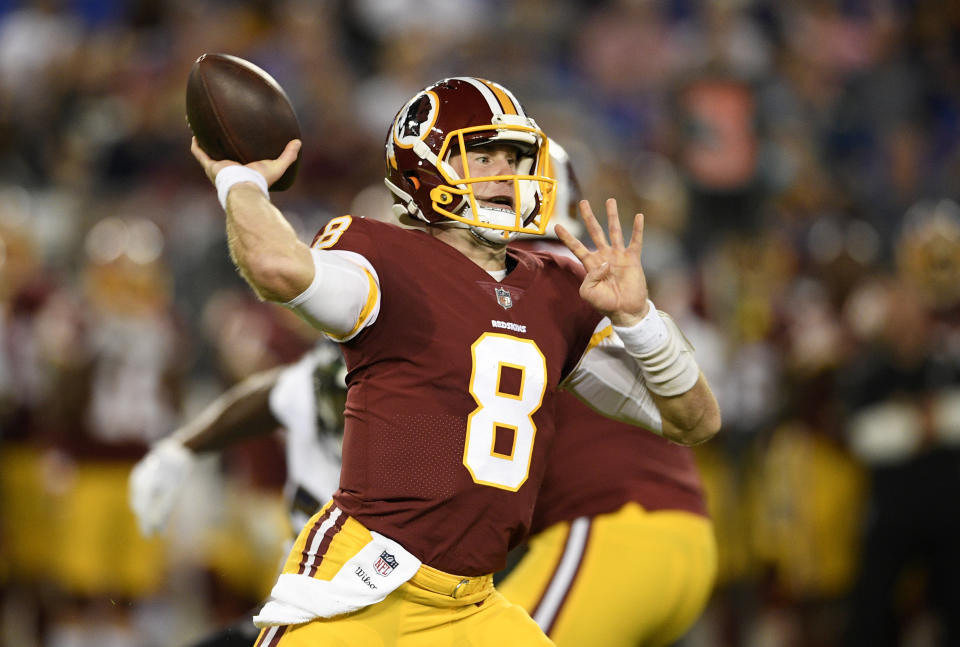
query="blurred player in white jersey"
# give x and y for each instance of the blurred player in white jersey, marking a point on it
(305, 399)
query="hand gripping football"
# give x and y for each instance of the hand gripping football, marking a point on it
(239, 112)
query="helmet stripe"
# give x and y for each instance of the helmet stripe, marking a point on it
(486, 93)
(516, 102)
(506, 100)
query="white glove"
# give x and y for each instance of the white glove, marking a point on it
(156, 481)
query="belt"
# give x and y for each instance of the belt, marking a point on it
(454, 586)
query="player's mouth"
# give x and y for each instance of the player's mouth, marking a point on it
(502, 202)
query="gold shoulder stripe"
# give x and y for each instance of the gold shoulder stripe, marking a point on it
(597, 338)
(505, 102)
(372, 296)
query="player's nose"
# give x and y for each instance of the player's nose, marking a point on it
(504, 165)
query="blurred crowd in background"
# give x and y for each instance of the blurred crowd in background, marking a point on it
(798, 163)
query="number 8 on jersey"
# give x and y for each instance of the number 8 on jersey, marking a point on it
(500, 431)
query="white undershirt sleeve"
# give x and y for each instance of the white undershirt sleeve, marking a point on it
(610, 381)
(344, 297)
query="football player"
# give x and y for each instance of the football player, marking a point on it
(622, 550)
(305, 398)
(454, 347)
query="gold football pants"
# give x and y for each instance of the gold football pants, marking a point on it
(432, 609)
(631, 577)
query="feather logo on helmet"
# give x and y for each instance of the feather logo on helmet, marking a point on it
(415, 119)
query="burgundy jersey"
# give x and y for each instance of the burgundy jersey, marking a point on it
(596, 465)
(448, 418)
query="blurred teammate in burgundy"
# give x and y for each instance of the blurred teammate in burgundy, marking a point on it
(622, 551)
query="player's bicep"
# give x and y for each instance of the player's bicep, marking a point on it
(610, 382)
(344, 297)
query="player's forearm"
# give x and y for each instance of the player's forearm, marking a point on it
(689, 413)
(646, 375)
(690, 418)
(241, 412)
(265, 248)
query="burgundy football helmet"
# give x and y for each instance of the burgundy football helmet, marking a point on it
(448, 118)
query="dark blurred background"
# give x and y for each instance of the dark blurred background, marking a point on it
(799, 167)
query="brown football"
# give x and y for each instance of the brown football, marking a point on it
(239, 112)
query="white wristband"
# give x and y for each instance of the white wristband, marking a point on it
(664, 355)
(645, 336)
(235, 174)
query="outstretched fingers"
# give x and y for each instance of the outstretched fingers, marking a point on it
(593, 227)
(636, 238)
(573, 244)
(613, 224)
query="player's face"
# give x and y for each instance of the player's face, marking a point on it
(490, 160)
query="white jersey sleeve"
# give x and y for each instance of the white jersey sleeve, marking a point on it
(610, 381)
(344, 297)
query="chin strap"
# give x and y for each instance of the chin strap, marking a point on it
(483, 235)
(491, 237)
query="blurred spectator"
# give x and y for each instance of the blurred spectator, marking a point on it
(902, 396)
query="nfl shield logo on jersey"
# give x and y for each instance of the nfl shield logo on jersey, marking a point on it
(504, 298)
(385, 564)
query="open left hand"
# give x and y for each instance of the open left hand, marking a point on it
(615, 283)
